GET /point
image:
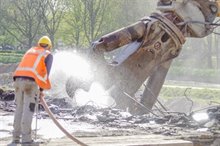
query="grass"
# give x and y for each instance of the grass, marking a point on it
(10, 56)
(196, 93)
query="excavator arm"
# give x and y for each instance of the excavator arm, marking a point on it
(148, 49)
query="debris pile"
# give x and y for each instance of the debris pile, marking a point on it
(172, 124)
(7, 95)
(113, 117)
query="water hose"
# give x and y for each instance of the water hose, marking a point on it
(59, 125)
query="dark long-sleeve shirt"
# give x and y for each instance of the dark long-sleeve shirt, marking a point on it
(48, 62)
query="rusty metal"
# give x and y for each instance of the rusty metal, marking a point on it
(152, 44)
(120, 37)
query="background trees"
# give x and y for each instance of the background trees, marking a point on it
(85, 20)
(21, 20)
(51, 14)
(74, 24)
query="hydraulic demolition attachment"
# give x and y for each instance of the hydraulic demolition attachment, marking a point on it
(147, 49)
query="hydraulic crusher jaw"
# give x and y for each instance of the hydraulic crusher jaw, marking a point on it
(196, 15)
(150, 46)
(147, 49)
(194, 18)
(218, 5)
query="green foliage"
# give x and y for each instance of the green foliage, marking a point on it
(10, 56)
(194, 74)
(194, 93)
(76, 23)
(86, 21)
(13, 52)
(6, 39)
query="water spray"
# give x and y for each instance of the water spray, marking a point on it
(59, 125)
(71, 69)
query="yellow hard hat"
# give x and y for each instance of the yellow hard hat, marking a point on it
(45, 40)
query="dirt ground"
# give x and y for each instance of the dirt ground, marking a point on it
(6, 68)
(149, 140)
(117, 132)
(109, 126)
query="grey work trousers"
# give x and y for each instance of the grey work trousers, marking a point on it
(26, 96)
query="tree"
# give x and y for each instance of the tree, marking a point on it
(217, 52)
(209, 46)
(72, 28)
(87, 20)
(5, 37)
(93, 17)
(21, 19)
(52, 14)
(132, 11)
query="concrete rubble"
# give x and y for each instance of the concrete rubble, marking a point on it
(115, 122)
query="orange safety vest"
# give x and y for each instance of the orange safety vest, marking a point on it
(33, 65)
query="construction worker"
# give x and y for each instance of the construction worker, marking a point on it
(30, 79)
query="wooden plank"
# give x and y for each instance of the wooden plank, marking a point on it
(137, 140)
